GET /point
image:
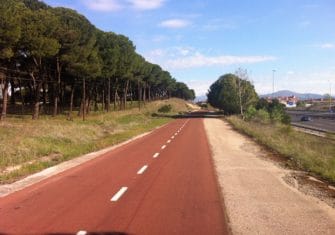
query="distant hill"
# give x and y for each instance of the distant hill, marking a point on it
(302, 96)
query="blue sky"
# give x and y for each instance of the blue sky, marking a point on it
(199, 40)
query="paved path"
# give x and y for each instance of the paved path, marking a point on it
(257, 199)
(162, 183)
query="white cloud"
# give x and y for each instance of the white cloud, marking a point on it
(174, 23)
(200, 60)
(188, 57)
(116, 5)
(104, 5)
(327, 46)
(146, 4)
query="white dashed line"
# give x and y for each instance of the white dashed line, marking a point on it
(119, 194)
(81, 232)
(172, 137)
(169, 141)
(142, 170)
(156, 155)
(163, 147)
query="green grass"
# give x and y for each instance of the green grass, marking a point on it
(36, 145)
(307, 152)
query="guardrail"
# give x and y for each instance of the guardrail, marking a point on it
(323, 115)
(312, 130)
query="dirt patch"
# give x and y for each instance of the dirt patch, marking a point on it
(193, 107)
(311, 186)
(50, 158)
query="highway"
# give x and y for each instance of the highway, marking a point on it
(162, 183)
(320, 120)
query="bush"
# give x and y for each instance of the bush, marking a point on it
(262, 116)
(276, 114)
(165, 108)
(250, 113)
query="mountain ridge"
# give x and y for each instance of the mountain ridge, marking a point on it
(284, 93)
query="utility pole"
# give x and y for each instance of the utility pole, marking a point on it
(330, 96)
(273, 83)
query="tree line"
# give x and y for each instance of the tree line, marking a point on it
(54, 57)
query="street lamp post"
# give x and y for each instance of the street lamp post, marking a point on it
(330, 96)
(273, 83)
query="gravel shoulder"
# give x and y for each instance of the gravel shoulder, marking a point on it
(260, 196)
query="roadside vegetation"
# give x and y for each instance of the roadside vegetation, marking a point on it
(267, 122)
(308, 152)
(28, 146)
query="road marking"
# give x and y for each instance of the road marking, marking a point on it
(156, 155)
(119, 194)
(172, 137)
(140, 172)
(81, 232)
(169, 141)
(163, 147)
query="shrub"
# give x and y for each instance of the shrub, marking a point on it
(250, 113)
(165, 108)
(262, 116)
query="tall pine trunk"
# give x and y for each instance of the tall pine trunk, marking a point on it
(36, 111)
(22, 97)
(37, 85)
(103, 99)
(83, 99)
(125, 95)
(139, 88)
(108, 95)
(149, 94)
(56, 98)
(12, 87)
(144, 93)
(4, 100)
(71, 103)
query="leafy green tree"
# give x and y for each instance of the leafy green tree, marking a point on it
(225, 94)
(78, 55)
(109, 51)
(76, 36)
(37, 44)
(125, 66)
(35, 5)
(11, 12)
(182, 91)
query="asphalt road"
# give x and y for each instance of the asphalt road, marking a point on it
(323, 121)
(162, 183)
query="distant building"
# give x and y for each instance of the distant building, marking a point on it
(288, 101)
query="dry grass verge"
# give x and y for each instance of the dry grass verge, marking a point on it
(308, 152)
